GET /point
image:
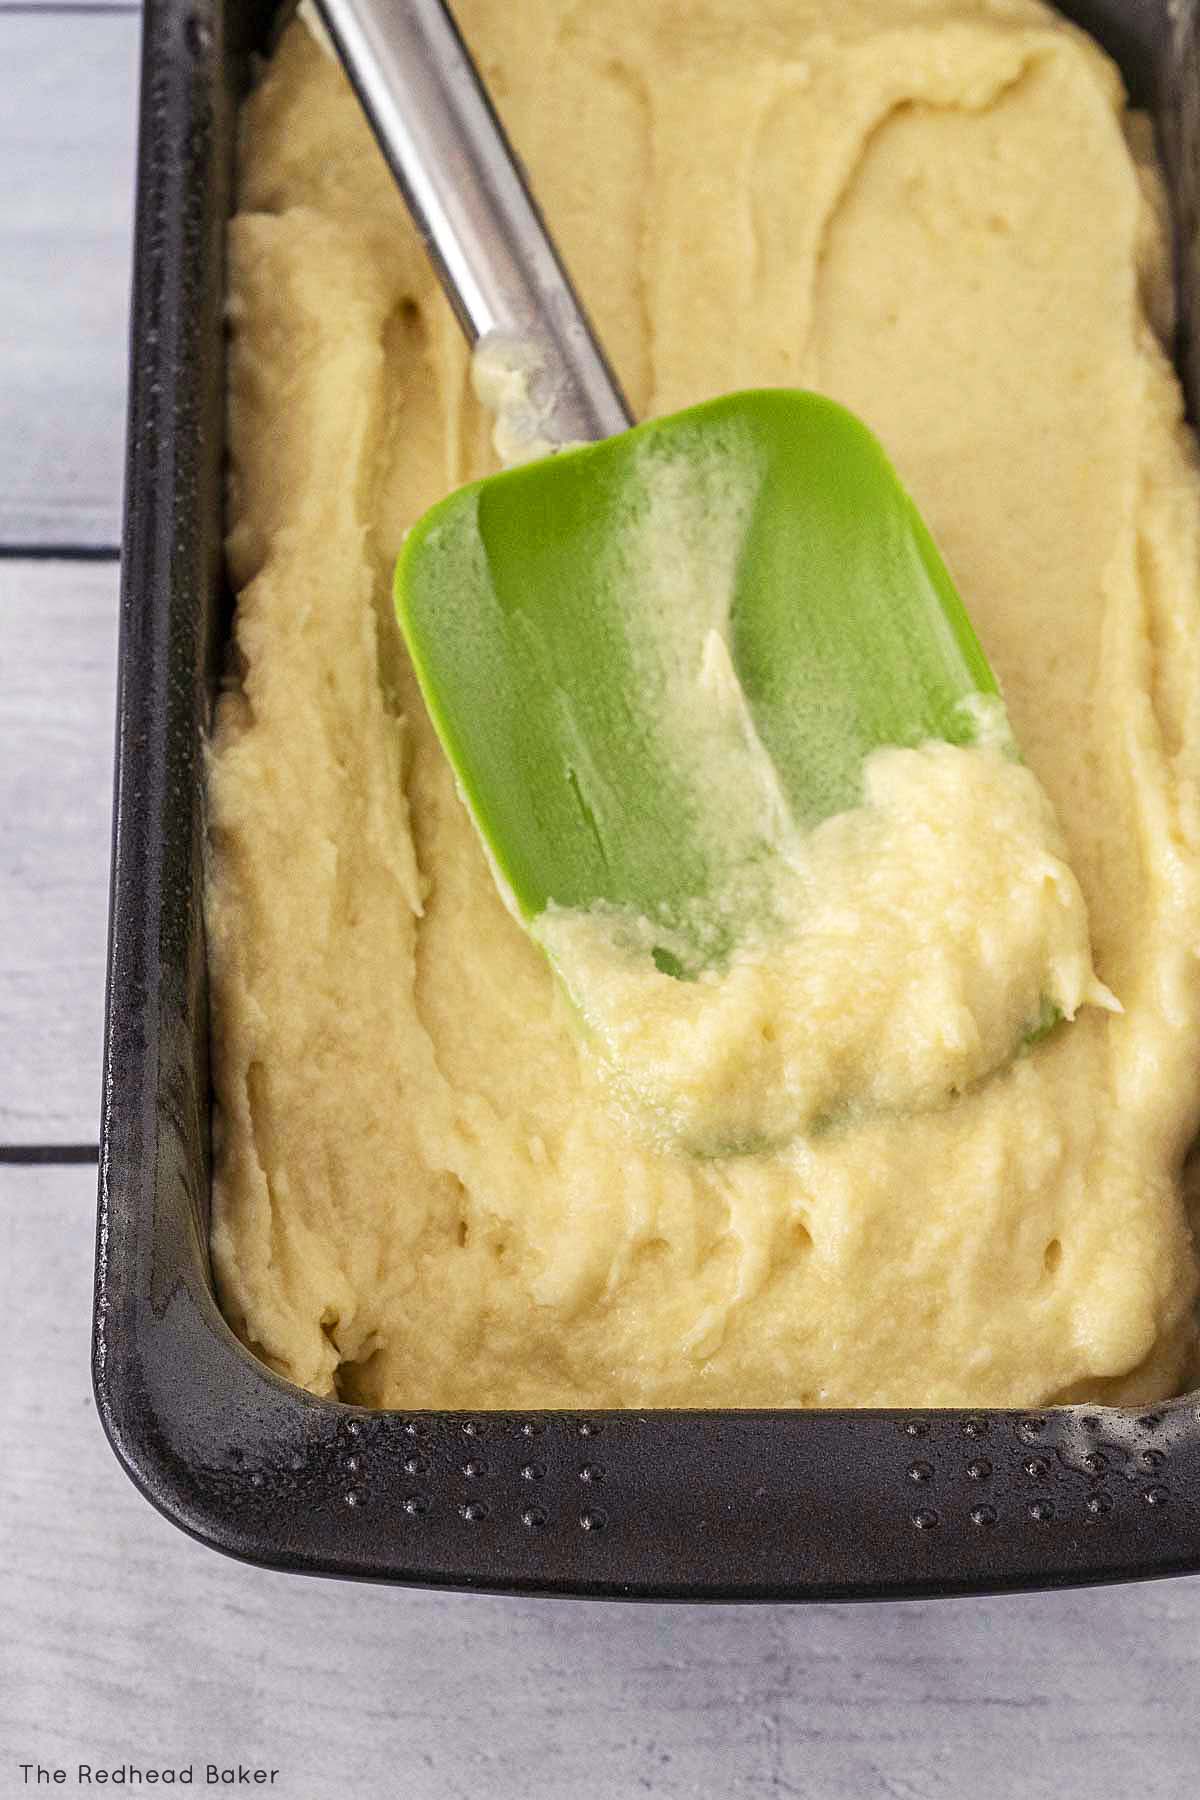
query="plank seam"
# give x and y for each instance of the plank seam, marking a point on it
(59, 552)
(27, 9)
(41, 1154)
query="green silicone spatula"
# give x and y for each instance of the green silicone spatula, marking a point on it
(559, 617)
(577, 623)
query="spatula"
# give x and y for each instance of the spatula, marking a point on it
(636, 649)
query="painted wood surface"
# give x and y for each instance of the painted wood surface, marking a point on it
(123, 1641)
(58, 628)
(67, 128)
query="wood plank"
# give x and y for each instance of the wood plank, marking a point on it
(58, 626)
(67, 126)
(126, 1641)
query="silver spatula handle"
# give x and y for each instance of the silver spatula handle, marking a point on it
(439, 132)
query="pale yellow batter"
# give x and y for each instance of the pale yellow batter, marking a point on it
(908, 949)
(426, 1194)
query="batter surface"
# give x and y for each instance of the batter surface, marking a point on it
(426, 1194)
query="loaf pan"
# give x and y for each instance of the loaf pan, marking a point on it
(678, 1505)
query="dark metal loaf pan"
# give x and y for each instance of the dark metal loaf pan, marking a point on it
(718, 1505)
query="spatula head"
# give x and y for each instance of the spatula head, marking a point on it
(580, 625)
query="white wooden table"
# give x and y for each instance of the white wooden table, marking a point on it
(121, 1640)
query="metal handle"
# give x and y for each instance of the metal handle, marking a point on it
(506, 282)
